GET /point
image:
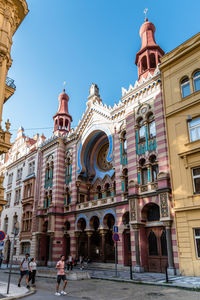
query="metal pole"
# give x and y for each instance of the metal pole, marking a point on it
(11, 260)
(115, 259)
(131, 271)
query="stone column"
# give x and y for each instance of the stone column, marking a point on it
(103, 233)
(89, 234)
(170, 269)
(137, 268)
(77, 234)
(88, 192)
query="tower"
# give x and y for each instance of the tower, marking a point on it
(148, 57)
(62, 119)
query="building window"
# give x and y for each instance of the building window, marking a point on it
(82, 198)
(197, 241)
(19, 174)
(154, 172)
(17, 195)
(185, 87)
(31, 168)
(144, 176)
(5, 227)
(152, 129)
(25, 247)
(8, 199)
(194, 128)
(99, 193)
(196, 179)
(196, 80)
(27, 221)
(49, 175)
(28, 191)
(107, 190)
(15, 219)
(10, 178)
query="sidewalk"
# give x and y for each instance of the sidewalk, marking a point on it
(14, 291)
(95, 272)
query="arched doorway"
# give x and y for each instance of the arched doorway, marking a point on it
(156, 244)
(83, 241)
(95, 239)
(126, 240)
(109, 221)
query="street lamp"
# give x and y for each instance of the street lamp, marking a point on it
(15, 232)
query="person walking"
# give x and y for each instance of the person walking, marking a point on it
(70, 263)
(60, 266)
(24, 270)
(32, 271)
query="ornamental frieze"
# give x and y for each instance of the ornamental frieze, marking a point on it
(164, 209)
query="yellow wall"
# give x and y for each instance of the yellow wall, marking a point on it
(184, 155)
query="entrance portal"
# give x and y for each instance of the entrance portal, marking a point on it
(157, 249)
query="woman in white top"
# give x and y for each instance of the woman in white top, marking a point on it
(33, 267)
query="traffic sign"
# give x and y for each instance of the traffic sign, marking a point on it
(115, 229)
(115, 237)
(2, 235)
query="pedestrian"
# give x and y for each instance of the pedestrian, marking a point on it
(60, 266)
(81, 260)
(69, 262)
(24, 270)
(32, 271)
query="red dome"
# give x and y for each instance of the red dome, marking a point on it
(147, 26)
(63, 96)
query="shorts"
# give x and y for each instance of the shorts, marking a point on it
(25, 272)
(61, 277)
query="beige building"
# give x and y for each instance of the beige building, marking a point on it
(12, 13)
(181, 86)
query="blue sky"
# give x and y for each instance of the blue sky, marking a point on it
(81, 42)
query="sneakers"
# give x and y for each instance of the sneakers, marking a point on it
(63, 293)
(19, 285)
(57, 294)
(28, 286)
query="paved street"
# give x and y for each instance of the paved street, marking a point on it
(104, 290)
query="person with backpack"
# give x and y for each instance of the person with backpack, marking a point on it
(24, 270)
(60, 266)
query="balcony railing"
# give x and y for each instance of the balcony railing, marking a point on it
(10, 83)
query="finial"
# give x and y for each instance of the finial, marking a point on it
(64, 85)
(145, 12)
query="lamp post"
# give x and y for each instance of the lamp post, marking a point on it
(15, 232)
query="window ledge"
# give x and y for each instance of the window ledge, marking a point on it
(192, 143)
(189, 152)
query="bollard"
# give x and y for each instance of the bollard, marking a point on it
(166, 275)
(131, 272)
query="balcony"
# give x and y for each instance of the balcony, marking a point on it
(9, 88)
(96, 203)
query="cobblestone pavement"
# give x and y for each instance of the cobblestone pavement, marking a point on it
(105, 290)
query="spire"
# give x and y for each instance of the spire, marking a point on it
(62, 119)
(148, 57)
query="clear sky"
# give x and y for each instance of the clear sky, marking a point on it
(81, 42)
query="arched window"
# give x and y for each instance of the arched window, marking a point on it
(153, 213)
(66, 123)
(99, 192)
(152, 240)
(152, 126)
(107, 189)
(196, 81)
(144, 63)
(152, 60)
(60, 123)
(125, 172)
(163, 242)
(185, 87)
